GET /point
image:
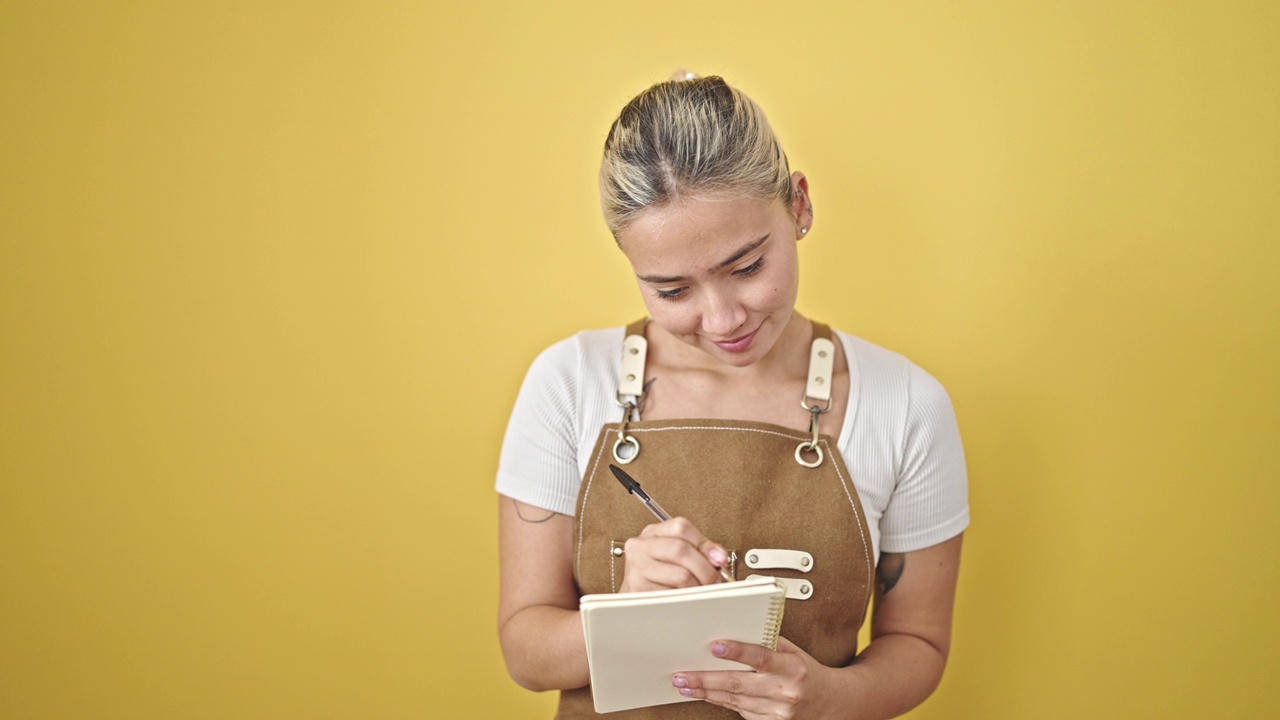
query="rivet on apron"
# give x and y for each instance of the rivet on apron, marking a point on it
(804, 562)
(617, 552)
(804, 589)
(753, 559)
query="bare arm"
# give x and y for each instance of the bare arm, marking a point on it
(910, 641)
(910, 631)
(538, 622)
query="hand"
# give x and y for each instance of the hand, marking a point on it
(787, 683)
(671, 554)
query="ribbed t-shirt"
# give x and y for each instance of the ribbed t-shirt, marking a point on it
(899, 438)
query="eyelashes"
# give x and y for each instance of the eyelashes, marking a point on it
(751, 269)
(677, 293)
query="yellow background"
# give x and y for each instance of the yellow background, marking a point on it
(271, 273)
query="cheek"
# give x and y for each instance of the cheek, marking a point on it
(769, 293)
(777, 288)
(677, 318)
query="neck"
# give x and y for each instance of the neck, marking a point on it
(788, 357)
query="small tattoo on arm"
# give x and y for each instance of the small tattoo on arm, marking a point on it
(889, 571)
(535, 520)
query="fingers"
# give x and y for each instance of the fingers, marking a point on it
(757, 657)
(713, 552)
(672, 554)
(734, 682)
(665, 563)
(683, 529)
(747, 693)
(776, 689)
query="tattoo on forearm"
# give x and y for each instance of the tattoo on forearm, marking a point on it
(535, 520)
(889, 571)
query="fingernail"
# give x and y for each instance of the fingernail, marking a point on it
(719, 648)
(680, 681)
(687, 692)
(718, 557)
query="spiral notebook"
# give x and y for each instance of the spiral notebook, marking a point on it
(637, 641)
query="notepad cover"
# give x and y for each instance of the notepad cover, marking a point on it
(637, 641)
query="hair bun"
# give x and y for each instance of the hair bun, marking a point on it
(682, 75)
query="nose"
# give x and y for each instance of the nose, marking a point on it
(722, 314)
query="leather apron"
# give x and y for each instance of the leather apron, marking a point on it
(743, 485)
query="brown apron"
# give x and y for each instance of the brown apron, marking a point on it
(741, 484)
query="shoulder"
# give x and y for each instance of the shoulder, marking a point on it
(889, 389)
(586, 353)
(905, 438)
(866, 356)
(575, 371)
(886, 370)
(566, 393)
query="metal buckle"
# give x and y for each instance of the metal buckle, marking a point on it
(812, 444)
(628, 408)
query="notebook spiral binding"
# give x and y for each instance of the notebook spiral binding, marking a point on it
(773, 621)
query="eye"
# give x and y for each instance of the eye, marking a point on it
(751, 269)
(673, 294)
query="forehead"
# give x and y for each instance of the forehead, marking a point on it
(697, 233)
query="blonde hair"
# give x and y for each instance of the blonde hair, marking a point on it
(688, 135)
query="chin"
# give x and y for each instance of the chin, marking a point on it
(739, 360)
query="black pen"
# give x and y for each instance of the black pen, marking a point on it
(634, 488)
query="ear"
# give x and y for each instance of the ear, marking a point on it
(801, 204)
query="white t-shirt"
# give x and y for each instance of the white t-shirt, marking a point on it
(899, 437)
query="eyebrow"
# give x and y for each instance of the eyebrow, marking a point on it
(735, 257)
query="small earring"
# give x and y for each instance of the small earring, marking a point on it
(804, 231)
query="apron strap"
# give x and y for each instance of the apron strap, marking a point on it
(630, 392)
(631, 374)
(822, 363)
(637, 327)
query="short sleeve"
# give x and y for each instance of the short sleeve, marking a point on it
(538, 463)
(930, 501)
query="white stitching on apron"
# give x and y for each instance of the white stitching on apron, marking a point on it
(862, 530)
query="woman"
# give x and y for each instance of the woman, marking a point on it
(701, 404)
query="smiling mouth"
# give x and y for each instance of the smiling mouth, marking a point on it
(738, 345)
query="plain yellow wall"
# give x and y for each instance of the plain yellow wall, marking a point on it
(271, 273)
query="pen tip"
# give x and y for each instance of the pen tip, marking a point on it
(627, 481)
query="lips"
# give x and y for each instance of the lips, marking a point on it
(738, 345)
